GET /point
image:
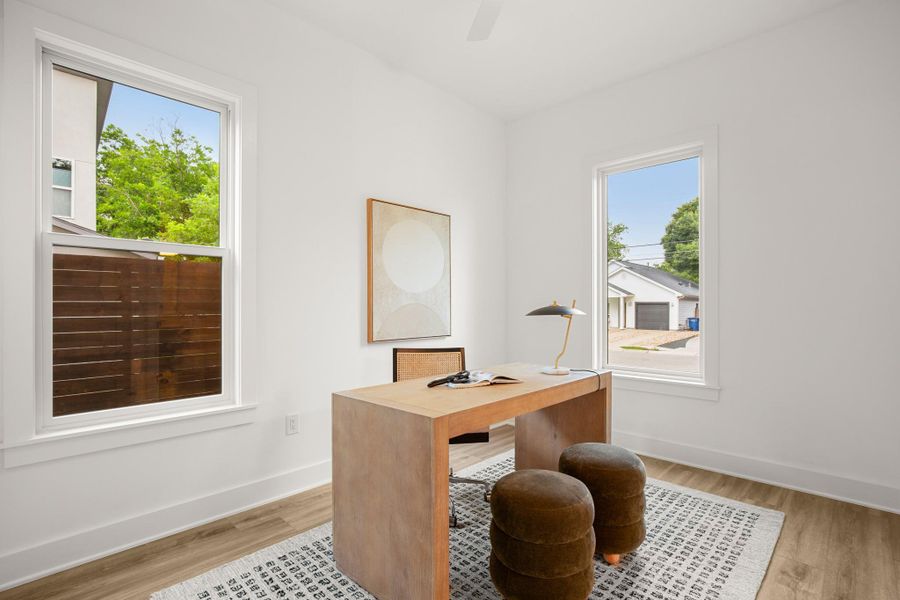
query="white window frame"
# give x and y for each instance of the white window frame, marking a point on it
(24, 174)
(700, 144)
(70, 189)
(157, 83)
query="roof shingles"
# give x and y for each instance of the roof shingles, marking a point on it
(678, 284)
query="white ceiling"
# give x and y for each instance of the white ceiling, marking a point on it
(542, 52)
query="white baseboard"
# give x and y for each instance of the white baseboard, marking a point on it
(28, 564)
(865, 493)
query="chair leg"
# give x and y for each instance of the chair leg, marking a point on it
(466, 480)
(454, 521)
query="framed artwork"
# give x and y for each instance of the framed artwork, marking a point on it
(409, 272)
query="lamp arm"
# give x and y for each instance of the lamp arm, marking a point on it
(565, 342)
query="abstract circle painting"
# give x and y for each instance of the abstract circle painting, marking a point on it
(408, 272)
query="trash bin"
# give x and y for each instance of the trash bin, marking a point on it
(694, 323)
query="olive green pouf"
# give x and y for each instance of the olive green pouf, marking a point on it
(542, 536)
(616, 477)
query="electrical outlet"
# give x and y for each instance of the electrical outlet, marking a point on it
(291, 424)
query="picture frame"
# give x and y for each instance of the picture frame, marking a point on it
(408, 272)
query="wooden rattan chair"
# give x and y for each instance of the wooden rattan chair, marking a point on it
(413, 363)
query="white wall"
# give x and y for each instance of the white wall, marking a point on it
(808, 125)
(335, 126)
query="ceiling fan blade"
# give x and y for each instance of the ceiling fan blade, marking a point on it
(484, 20)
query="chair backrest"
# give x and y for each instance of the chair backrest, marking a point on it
(412, 363)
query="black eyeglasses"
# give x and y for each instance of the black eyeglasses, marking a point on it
(461, 377)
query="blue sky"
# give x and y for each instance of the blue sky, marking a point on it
(644, 199)
(137, 111)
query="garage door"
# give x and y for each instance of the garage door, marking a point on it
(652, 315)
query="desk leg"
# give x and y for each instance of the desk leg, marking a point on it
(390, 474)
(542, 435)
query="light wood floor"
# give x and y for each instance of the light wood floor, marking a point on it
(827, 550)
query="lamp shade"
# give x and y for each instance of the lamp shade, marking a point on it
(556, 310)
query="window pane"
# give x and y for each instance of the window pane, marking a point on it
(653, 243)
(62, 173)
(133, 328)
(152, 161)
(62, 202)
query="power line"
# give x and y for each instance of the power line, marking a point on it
(684, 250)
(688, 252)
(658, 244)
(646, 258)
(640, 258)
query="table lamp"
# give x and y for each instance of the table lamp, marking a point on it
(566, 313)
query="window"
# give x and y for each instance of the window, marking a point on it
(137, 283)
(202, 377)
(653, 289)
(62, 188)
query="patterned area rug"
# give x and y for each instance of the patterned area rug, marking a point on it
(698, 547)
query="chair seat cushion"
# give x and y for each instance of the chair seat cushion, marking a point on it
(546, 561)
(516, 586)
(542, 507)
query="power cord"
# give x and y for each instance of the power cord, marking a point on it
(595, 372)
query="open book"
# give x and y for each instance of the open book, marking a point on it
(479, 378)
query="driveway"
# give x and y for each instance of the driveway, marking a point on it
(684, 359)
(647, 338)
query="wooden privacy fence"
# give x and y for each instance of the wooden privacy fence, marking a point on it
(132, 330)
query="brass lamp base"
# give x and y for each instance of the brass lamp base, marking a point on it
(555, 370)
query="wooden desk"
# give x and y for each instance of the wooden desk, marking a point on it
(390, 464)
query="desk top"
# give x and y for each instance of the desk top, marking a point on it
(492, 401)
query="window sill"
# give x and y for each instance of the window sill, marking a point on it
(659, 384)
(84, 440)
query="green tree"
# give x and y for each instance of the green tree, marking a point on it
(158, 189)
(681, 242)
(615, 247)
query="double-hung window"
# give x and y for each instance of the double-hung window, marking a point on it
(655, 264)
(136, 289)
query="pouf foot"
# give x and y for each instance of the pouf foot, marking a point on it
(612, 559)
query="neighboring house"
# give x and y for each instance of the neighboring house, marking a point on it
(644, 297)
(80, 103)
